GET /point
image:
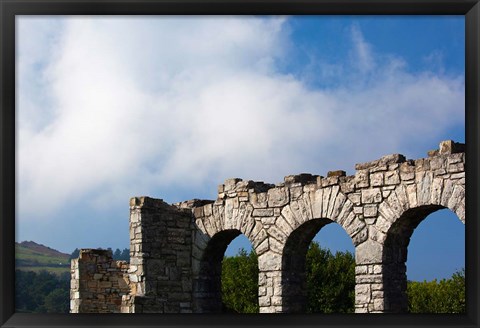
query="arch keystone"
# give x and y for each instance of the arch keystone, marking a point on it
(436, 192)
(316, 198)
(424, 185)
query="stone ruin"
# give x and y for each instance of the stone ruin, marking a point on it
(176, 250)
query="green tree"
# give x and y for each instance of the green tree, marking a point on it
(240, 282)
(41, 292)
(444, 296)
(117, 255)
(75, 254)
(57, 302)
(330, 281)
(125, 255)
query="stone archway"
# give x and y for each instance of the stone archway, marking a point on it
(423, 187)
(395, 257)
(293, 265)
(432, 194)
(207, 285)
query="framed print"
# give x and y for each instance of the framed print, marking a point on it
(203, 117)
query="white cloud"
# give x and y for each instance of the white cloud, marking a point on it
(153, 106)
(362, 52)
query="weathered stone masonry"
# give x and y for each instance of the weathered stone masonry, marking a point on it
(98, 282)
(176, 250)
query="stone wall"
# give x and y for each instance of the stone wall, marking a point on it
(97, 282)
(176, 250)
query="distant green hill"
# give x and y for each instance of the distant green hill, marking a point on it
(30, 256)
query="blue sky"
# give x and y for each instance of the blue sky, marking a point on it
(114, 107)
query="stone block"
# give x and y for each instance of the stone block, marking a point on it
(259, 200)
(437, 163)
(348, 185)
(450, 147)
(330, 181)
(268, 220)
(276, 300)
(376, 179)
(276, 246)
(262, 212)
(277, 233)
(355, 198)
(264, 301)
(373, 195)
(198, 212)
(422, 165)
(457, 167)
(338, 173)
(296, 192)
(370, 210)
(269, 262)
(361, 309)
(361, 179)
(368, 252)
(361, 269)
(385, 160)
(316, 203)
(360, 236)
(283, 225)
(262, 247)
(278, 197)
(392, 178)
(98, 276)
(358, 209)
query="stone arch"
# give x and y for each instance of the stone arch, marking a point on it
(327, 202)
(207, 283)
(212, 219)
(217, 226)
(402, 211)
(307, 217)
(293, 265)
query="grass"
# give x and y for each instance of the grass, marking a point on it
(27, 259)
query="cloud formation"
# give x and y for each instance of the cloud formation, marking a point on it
(111, 108)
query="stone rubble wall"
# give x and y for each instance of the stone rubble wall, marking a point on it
(97, 282)
(176, 250)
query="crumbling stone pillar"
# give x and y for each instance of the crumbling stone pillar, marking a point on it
(97, 282)
(160, 257)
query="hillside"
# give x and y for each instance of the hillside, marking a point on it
(30, 256)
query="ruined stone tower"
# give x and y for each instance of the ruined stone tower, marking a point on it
(176, 250)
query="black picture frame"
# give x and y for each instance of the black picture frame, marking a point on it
(10, 8)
